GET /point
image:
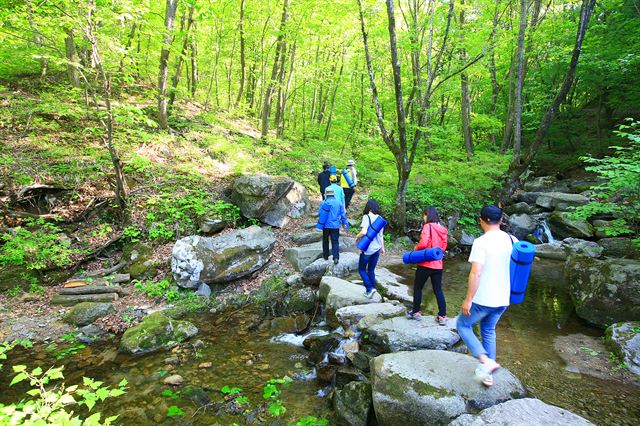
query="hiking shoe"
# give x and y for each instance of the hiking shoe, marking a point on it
(369, 294)
(442, 320)
(415, 315)
(484, 373)
(335, 261)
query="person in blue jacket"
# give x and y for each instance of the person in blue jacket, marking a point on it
(338, 192)
(331, 226)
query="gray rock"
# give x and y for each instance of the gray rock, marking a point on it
(313, 273)
(404, 334)
(620, 247)
(87, 312)
(353, 403)
(156, 332)
(307, 237)
(90, 333)
(434, 387)
(556, 251)
(388, 285)
(350, 315)
(274, 200)
(173, 380)
(578, 246)
(338, 293)
(212, 225)
(522, 412)
(303, 256)
(466, 239)
(303, 300)
(221, 259)
(561, 201)
(520, 208)
(539, 183)
(293, 279)
(604, 291)
(623, 339)
(563, 227)
(527, 197)
(522, 225)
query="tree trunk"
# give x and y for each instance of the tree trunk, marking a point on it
(243, 65)
(517, 104)
(466, 96)
(163, 76)
(495, 86)
(72, 58)
(268, 96)
(285, 94)
(194, 64)
(181, 59)
(507, 134)
(336, 84)
(518, 167)
(132, 35)
(37, 39)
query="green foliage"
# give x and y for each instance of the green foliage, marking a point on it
(619, 194)
(617, 363)
(270, 392)
(311, 421)
(7, 346)
(48, 404)
(230, 391)
(168, 393)
(174, 411)
(589, 351)
(167, 289)
(13, 291)
(38, 245)
(36, 289)
(131, 234)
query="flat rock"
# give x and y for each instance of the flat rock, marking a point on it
(348, 264)
(156, 332)
(560, 201)
(522, 412)
(353, 314)
(302, 238)
(405, 334)
(302, 256)
(86, 313)
(388, 284)
(434, 387)
(338, 293)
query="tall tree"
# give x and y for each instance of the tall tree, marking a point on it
(243, 62)
(517, 104)
(465, 109)
(72, 57)
(183, 55)
(163, 76)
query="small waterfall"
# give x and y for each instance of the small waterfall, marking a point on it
(547, 232)
(296, 340)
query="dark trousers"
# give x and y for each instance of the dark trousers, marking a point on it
(348, 193)
(367, 267)
(422, 274)
(334, 234)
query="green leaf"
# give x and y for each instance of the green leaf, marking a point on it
(123, 383)
(17, 379)
(174, 411)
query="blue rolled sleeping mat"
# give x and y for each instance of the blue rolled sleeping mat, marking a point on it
(323, 215)
(426, 255)
(372, 231)
(521, 260)
(347, 177)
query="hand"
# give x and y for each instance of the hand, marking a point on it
(383, 252)
(466, 308)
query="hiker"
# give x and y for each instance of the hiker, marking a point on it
(323, 178)
(432, 235)
(332, 217)
(337, 190)
(348, 189)
(488, 292)
(369, 257)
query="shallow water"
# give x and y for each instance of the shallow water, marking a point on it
(247, 359)
(525, 337)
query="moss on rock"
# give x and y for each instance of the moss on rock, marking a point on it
(156, 332)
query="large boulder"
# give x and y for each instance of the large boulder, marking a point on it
(314, 272)
(433, 387)
(604, 291)
(303, 256)
(350, 315)
(307, 237)
(274, 200)
(221, 259)
(561, 201)
(522, 412)
(387, 283)
(405, 334)
(522, 225)
(86, 313)
(564, 227)
(620, 247)
(337, 293)
(156, 332)
(561, 250)
(353, 403)
(623, 339)
(539, 183)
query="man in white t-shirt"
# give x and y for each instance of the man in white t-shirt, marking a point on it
(488, 292)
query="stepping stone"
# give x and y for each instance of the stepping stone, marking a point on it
(380, 311)
(388, 283)
(405, 334)
(302, 238)
(338, 293)
(303, 256)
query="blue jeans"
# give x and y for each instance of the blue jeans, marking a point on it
(488, 318)
(367, 267)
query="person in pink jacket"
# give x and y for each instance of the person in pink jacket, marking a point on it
(433, 235)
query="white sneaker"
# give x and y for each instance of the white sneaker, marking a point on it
(369, 294)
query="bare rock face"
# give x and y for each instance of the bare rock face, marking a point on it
(273, 200)
(214, 260)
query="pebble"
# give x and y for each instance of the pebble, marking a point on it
(174, 380)
(172, 360)
(249, 363)
(205, 365)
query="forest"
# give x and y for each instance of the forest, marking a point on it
(126, 125)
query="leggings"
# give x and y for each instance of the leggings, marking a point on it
(422, 274)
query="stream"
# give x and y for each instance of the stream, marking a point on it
(248, 359)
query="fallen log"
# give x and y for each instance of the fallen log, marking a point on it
(74, 299)
(93, 289)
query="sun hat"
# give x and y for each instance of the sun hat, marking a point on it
(351, 163)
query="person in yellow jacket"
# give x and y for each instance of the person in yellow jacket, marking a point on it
(349, 190)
